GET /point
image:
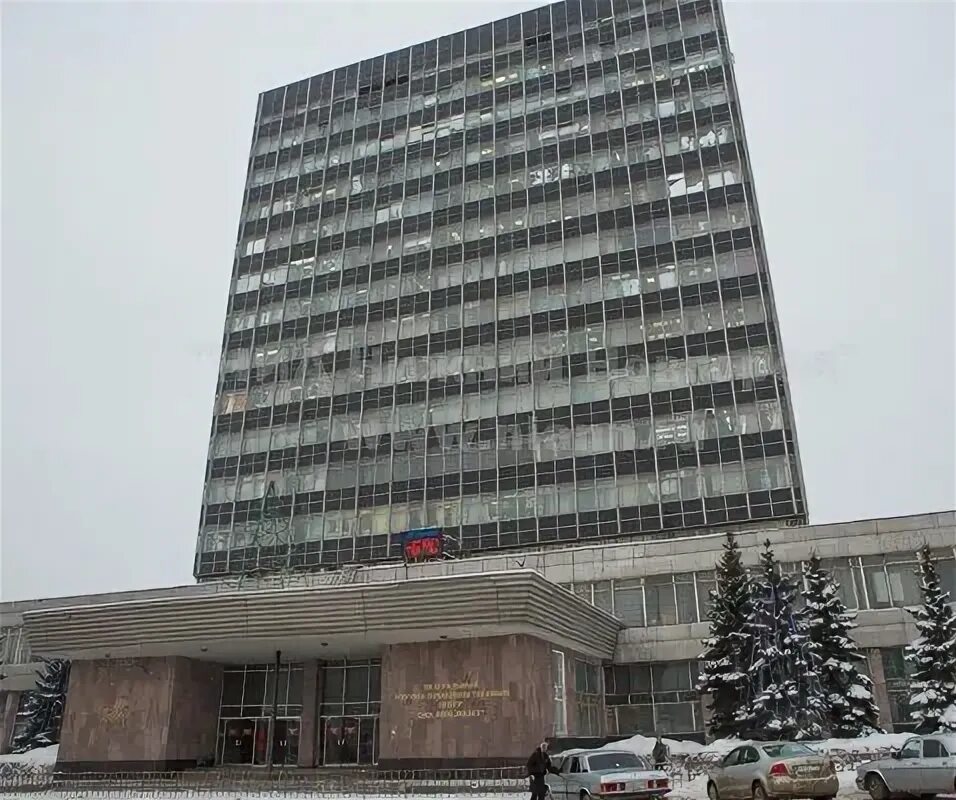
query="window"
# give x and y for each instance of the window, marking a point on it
(587, 690)
(351, 688)
(560, 693)
(249, 691)
(749, 755)
(732, 758)
(612, 761)
(911, 749)
(653, 698)
(629, 602)
(787, 750)
(934, 749)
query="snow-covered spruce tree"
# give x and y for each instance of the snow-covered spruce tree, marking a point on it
(850, 709)
(44, 707)
(723, 673)
(783, 699)
(933, 654)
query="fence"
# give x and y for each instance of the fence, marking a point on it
(493, 783)
(16, 779)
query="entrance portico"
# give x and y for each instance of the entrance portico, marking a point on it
(443, 671)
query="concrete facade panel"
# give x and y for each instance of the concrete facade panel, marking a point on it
(143, 714)
(465, 703)
(191, 734)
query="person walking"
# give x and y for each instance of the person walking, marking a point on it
(539, 765)
(659, 754)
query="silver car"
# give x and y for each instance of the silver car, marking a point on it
(583, 774)
(924, 766)
(759, 770)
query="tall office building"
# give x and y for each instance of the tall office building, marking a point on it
(509, 283)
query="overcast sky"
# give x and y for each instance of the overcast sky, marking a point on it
(126, 129)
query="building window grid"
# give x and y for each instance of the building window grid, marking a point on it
(605, 594)
(256, 683)
(473, 96)
(589, 696)
(318, 296)
(341, 703)
(587, 80)
(639, 700)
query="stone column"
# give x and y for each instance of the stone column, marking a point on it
(309, 729)
(880, 694)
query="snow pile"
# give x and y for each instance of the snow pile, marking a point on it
(864, 744)
(644, 746)
(948, 719)
(40, 756)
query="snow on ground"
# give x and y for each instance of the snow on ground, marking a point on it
(41, 755)
(643, 745)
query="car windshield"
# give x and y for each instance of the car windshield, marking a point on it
(604, 761)
(787, 750)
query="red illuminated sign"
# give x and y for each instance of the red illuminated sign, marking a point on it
(422, 545)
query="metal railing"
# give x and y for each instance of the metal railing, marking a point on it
(505, 783)
(500, 782)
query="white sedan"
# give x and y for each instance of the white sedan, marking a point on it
(924, 767)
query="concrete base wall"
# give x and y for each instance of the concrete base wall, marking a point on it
(139, 714)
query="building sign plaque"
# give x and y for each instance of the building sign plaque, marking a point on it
(451, 700)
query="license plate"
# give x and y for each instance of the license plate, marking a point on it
(804, 770)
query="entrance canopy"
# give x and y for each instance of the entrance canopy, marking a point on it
(326, 622)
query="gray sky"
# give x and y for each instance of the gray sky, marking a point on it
(125, 137)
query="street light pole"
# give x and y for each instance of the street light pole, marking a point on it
(270, 751)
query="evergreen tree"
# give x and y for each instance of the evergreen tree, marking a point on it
(44, 707)
(933, 654)
(722, 670)
(784, 699)
(850, 709)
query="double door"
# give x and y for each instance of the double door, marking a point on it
(349, 741)
(246, 741)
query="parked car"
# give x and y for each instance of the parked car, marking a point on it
(583, 774)
(924, 766)
(760, 770)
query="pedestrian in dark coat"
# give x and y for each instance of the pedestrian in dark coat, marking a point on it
(539, 765)
(659, 754)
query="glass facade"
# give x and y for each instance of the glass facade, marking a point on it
(245, 714)
(865, 582)
(509, 283)
(653, 698)
(348, 716)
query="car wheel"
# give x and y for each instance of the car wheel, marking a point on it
(712, 792)
(759, 793)
(584, 795)
(876, 786)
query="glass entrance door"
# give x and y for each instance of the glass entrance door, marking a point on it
(245, 741)
(238, 740)
(285, 743)
(349, 741)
